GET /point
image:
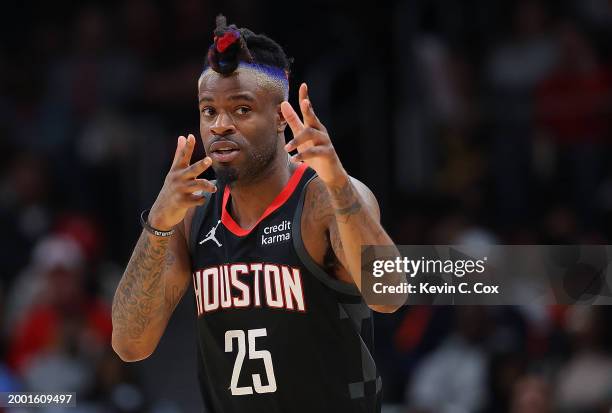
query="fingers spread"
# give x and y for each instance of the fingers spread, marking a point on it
(198, 167)
(308, 135)
(293, 120)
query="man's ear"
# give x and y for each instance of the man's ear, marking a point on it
(281, 123)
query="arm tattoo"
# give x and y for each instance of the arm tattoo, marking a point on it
(345, 201)
(321, 211)
(318, 203)
(140, 296)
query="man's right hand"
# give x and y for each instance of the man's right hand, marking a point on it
(177, 194)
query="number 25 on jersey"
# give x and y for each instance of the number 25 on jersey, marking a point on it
(254, 354)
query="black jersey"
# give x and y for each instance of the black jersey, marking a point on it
(276, 333)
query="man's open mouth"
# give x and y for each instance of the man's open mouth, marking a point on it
(223, 151)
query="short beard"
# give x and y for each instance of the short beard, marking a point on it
(253, 171)
(226, 175)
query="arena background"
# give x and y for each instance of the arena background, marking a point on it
(471, 120)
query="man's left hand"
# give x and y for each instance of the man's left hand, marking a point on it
(312, 141)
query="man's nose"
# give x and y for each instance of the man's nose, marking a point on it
(223, 125)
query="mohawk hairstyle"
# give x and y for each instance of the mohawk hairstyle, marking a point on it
(233, 45)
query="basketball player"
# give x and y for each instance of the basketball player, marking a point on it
(272, 248)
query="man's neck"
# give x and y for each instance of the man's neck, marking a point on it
(248, 202)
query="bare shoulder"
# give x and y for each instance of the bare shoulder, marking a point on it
(366, 195)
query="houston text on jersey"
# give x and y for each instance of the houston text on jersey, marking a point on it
(242, 285)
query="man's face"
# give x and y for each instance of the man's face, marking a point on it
(239, 123)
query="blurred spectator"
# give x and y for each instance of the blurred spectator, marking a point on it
(452, 379)
(528, 54)
(514, 68)
(24, 209)
(585, 380)
(573, 101)
(532, 394)
(53, 253)
(62, 317)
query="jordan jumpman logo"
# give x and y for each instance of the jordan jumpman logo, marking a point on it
(211, 235)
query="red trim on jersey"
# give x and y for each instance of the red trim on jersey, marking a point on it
(280, 199)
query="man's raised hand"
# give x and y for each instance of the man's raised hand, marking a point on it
(182, 189)
(312, 141)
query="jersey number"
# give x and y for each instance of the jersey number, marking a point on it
(253, 355)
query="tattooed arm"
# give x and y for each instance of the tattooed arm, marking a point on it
(152, 285)
(158, 272)
(356, 223)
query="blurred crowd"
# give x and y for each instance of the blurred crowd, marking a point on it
(472, 121)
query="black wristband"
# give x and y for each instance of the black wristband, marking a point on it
(145, 224)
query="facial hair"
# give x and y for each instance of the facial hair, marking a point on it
(253, 169)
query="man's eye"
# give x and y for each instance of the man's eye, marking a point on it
(243, 110)
(208, 112)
